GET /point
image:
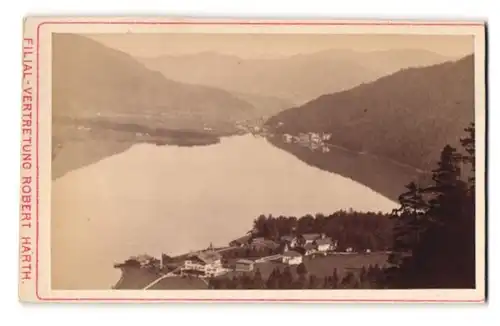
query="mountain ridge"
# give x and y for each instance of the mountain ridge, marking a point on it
(90, 79)
(407, 116)
(298, 78)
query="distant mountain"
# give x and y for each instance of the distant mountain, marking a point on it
(298, 78)
(407, 117)
(265, 106)
(104, 101)
(91, 80)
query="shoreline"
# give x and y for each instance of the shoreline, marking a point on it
(389, 178)
(140, 278)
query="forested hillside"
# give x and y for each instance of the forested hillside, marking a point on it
(407, 116)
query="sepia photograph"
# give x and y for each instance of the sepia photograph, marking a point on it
(253, 161)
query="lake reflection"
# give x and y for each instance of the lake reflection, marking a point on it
(171, 199)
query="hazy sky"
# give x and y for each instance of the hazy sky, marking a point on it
(272, 45)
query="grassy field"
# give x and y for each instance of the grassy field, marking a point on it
(138, 278)
(180, 283)
(324, 266)
(134, 278)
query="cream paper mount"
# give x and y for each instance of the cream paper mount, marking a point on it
(181, 160)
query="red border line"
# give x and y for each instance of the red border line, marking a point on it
(233, 300)
(37, 176)
(266, 23)
(246, 23)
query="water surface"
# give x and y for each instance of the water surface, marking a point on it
(154, 199)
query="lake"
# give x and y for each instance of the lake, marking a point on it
(153, 199)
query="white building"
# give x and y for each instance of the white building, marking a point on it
(303, 138)
(289, 240)
(83, 128)
(310, 237)
(309, 249)
(143, 259)
(292, 258)
(314, 146)
(315, 137)
(203, 264)
(244, 265)
(287, 138)
(324, 244)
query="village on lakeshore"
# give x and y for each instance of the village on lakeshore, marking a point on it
(315, 141)
(245, 255)
(312, 140)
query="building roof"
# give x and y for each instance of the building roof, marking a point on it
(243, 239)
(271, 243)
(309, 246)
(244, 261)
(291, 253)
(300, 250)
(310, 236)
(208, 256)
(324, 241)
(265, 242)
(142, 258)
(287, 238)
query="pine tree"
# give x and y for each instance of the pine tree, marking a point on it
(233, 283)
(327, 282)
(434, 230)
(465, 228)
(222, 283)
(212, 283)
(364, 280)
(273, 282)
(436, 256)
(469, 145)
(301, 269)
(247, 282)
(467, 224)
(258, 282)
(301, 282)
(286, 279)
(313, 282)
(363, 274)
(408, 226)
(335, 279)
(259, 226)
(348, 281)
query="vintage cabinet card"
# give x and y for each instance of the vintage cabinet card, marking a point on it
(253, 161)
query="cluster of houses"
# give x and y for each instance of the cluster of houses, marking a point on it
(144, 260)
(307, 244)
(83, 128)
(253, 127)
(254, 243)
(289, 250)
(206, 263)
(312, 140)
(292, 248)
